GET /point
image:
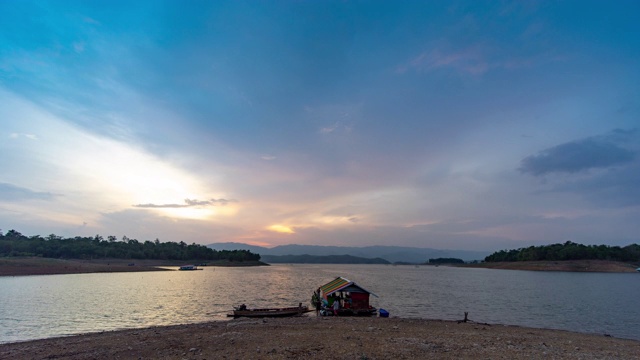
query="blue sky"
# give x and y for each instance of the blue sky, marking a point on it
(453, 125)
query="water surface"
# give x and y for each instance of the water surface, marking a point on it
(34, 307)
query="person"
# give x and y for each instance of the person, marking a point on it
(242, 307)
(336, 306)
(347, 302)
(315, 300)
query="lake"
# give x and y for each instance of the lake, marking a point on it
(35, 307)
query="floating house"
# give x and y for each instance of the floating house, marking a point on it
(353, 299)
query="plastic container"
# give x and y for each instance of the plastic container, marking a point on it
(383, 313)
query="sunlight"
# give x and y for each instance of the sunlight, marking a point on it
(281, 229)
(82, 170)
(188, 213)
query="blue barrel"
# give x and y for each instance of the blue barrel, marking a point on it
(383, 313)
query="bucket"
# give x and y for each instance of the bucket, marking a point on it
(383, 313)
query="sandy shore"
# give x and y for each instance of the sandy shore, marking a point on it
(310, 337)
(18, 266)
(45, 266)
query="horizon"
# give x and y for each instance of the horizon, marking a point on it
(463, 125)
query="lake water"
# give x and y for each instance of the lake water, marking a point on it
(35, 307)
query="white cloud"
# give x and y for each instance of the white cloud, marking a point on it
(91, 173)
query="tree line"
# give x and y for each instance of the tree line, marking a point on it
(14, 243)
(568, 251)
(446, 261)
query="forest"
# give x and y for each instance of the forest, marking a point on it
(445, 261)
(568, 251)
(13, 243)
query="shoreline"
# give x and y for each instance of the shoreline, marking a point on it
(322, 337)
(559, 265)
(24, 266)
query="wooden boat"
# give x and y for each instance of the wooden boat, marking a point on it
(188, 267)
(243, 311)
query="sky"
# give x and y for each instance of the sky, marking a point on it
(470, 125)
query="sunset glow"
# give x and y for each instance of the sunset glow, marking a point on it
(466, 125)
(281, 229)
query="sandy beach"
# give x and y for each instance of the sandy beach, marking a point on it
(311, 337)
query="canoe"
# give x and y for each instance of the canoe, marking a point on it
(270, 312)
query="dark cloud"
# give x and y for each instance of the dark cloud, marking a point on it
(9, 192)
(594, 152)
(616, 187)
(188, 203)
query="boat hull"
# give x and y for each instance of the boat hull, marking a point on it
(271, 312)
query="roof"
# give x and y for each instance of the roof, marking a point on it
(340, 284)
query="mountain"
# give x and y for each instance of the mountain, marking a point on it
(314, 259)
(389, 253)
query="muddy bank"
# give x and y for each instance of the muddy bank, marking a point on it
(17, 266)
(309, 337)
(46, 266)
(567, 265)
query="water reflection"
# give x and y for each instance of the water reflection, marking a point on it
(44, 306)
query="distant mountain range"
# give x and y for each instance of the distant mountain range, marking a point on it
(324, 259)
(390, 253)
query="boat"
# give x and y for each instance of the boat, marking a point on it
(189, 267)
(638, 269)
(343, 297)
(243, 311)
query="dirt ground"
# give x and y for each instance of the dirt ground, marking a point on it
(310, 337)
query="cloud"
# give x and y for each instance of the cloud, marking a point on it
(187, 203)
(616, 187)
(337, 126)
(9, 192)
(469, 60)
(28, 136)
(576, 156)
(613, 181)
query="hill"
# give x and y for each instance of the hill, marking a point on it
(314, 259)
(390, 253)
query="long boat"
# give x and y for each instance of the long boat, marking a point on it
(188, 267)
(269, 312)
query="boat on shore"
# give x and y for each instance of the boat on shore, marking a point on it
(189, 267)
(243, 311)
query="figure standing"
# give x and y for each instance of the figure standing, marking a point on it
(315, 301)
